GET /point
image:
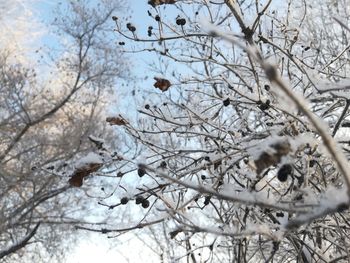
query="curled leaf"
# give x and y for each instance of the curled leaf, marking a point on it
(268, 158)
(162, 84)
(174, 233)
(85, 166)
(155, 3)
(77, 178)
(116, 121)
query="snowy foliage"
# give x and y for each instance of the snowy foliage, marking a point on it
(244, 153)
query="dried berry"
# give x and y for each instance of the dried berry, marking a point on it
(203, 177)
(226, 102)
(280, 214)
(299, 197)
(147, 106)
(124, 200)
(114, 18)
(284, 171)
(264, 106)
(207, 200)
(131, 27)
(267, 87)
(122, 43)
(145, 203)
(104, 231)
(163, 165)
(141, 171)
(312, 163)
(180, 21)
(139, 200)
(157, 18)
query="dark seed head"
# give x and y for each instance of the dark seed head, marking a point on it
(145, 203)
(264, 106)
(280, 214)
(312, 163)
(157, 18)
(139, 200)
(124, 200)
(131, 27)
(141, 171)
(163, 165)
(180, 21)
(207, 200)
(226, 102)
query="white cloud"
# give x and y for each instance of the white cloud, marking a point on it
(20, 28)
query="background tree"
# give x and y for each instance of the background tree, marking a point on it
(238, 159)
(53, 103)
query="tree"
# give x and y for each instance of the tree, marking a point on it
(50, 116)
(242, 149)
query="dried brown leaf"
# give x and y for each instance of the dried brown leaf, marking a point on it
(80, 173)
(116, 121)
(155, 3)
(162, 84)
(267, 159)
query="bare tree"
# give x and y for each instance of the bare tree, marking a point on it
(50, 115)
(241, 148)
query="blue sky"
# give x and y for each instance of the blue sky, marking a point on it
(35, 15)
